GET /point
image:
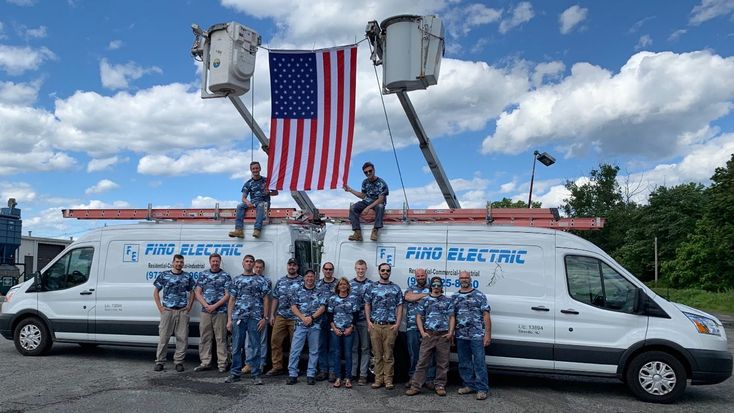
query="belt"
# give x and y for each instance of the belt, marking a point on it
(436, 333)
(176, 308)
(383, 323)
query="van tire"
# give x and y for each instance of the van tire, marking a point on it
(32, 338)
(656, 377)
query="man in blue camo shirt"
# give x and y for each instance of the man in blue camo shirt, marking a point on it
(361, 347)
(373, 197)
(247, 311)
(413, 295)
(282, 322)
(383, 307)
(259, 199)
(326, 286)
(308, 305)
(211, 293)
(436, 322)
(473, 334)
(176, 285)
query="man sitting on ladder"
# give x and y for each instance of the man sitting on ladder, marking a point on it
(259, 199)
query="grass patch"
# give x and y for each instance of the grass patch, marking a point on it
(722, 302)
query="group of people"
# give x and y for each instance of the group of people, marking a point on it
(256, 195)
(345, 323)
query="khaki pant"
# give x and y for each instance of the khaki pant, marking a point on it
(282, 330)
(213, 327)
(432, 345)
(383, 342)
(173, 322)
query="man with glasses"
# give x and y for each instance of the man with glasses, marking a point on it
(282, 320)
(307, 306)
(435, 321)
(413, 296)
(373, 197)
(326, 287)
(383, 308)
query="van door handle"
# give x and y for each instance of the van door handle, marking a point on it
(541, 308)
(569, 311)
(85, 293)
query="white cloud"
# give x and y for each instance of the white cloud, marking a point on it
(460, 20)
(710, 9)
(119, 76)
(571, 17)
(50, 221)
(114, 45)
(208, 202)
(18, 59)
(654, 107)
(23, 3)
(104, 185)
(522, 13)
(96, 165)
(38, 33)
(645, 41)
(677, 35)
(211, 161)
(19, 93)
(547, 70)
(21, 191)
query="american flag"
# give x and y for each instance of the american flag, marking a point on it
(312, 119)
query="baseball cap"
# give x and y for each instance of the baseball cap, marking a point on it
(292, 261)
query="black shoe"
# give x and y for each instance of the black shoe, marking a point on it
(291, 380)
(202, 368)
(322, 376)
(158, 367)
(232, 379)
(332, 377)
(310, 381)
(179, 368)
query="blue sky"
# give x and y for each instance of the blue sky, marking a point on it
(100, 107)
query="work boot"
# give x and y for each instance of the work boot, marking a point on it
(356, 236)
(237, 233)
(256, 233)
(373, 236)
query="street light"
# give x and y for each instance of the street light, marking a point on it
(546, 159)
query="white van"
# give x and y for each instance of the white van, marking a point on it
(559, 304)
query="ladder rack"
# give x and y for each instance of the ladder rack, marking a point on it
(528, 217)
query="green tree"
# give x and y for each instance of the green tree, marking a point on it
(509, 203)
(706, 258)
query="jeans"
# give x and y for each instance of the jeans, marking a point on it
(325, 346)
(263, 347)
(472, 367)
(356, 210)
(260, 211)
(300, 336)
(414, 347)
(241, 329)
(360, 347)
(339, 344)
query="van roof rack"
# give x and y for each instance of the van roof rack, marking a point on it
(527, 217)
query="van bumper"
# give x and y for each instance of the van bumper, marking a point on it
(5, 322)
(710, 366)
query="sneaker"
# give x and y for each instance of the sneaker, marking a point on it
(237, 233)
(247, 369)
(389, 386)
(376, 385)
(257, 381)
(440, 391)
(256, 233)
(310, 381)
(202, 368)
(322, 376)
(332, 377)
(275, 372)
(412, 391)
(362, 381)
(481, 395)
(158, 367)
(232, 379)
(291, 380)
(373, 235)
(465, 390)
(179, 368)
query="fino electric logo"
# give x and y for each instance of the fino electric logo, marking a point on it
(471, 254)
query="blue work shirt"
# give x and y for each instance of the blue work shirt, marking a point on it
(213, 286)
(469, 308)
(411, 308)
(175, 287)
(358, 290)
(435, 312)
(384, 300)
(342, 310)
(256, 190)
(249, 292)
(326, 288)
(308, 302)
(373, 189)
(282, 291)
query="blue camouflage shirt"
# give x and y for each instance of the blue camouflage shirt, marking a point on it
(469, 308)
(256, 190)
(308, 302)
(342, 310)
(213, 286)
(384, 300)
(175, 287)
(326, 289)
(373, 189)
(411, 309)
(282, 292)
(435, 312)
(358, 290)
(248, 292)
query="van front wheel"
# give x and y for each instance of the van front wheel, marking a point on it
(656, 377)
(32, 337)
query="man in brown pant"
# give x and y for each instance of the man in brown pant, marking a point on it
(281, 317)
(176, 285)
(436, 322)
(211, 293)
(383, 309)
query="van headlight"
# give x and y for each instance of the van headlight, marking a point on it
(704, 325)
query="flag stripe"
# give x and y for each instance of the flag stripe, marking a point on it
(284, 152)
(344, 172)
(339, 119)
(326, 119)
(311, 155)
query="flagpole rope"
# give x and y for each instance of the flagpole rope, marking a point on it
(252, 106)
(389, 131)
(312, 49)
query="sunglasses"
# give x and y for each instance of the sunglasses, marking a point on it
(368, 171)
(436, 285)
(384, 270)
(328, 269)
